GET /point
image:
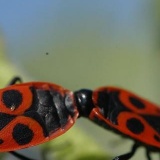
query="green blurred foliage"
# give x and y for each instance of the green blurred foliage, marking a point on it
(73, 145)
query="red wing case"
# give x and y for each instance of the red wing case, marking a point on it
(33, 113)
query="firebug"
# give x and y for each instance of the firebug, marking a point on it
(36, 112)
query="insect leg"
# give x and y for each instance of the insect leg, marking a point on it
(128, 155)
(15, 80)
(19, 156)
(148, 155)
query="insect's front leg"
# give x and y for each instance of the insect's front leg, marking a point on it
(19, 156)
(15, 80)
(148, 155)
(128, 155)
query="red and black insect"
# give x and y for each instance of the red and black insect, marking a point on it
(36, 112)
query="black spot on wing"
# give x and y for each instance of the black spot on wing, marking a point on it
(137, 102)
(12, 98)
(135, 125)
(22, 134)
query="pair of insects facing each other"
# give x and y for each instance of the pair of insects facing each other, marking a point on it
(36, 112)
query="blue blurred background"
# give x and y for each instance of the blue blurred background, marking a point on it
(84, 43)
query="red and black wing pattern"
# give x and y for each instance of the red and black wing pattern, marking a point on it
(127, 114)
(33, 113)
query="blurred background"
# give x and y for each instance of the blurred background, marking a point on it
(82, 44)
